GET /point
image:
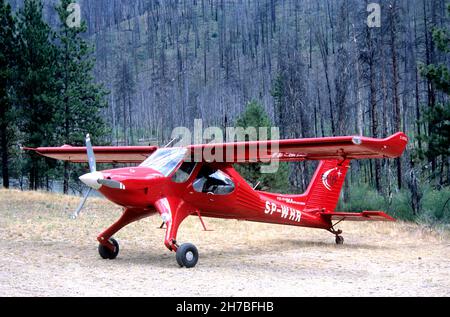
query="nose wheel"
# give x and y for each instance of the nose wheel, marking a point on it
(109, 252)
(187, 255)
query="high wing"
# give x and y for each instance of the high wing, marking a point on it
(103, 154)
(344, 147)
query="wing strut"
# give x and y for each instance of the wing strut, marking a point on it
(201, 220)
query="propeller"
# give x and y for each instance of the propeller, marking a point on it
(94, 179)
(90, 154)
(80, 206)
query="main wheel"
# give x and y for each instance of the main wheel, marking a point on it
(187, 255)
(339, 240)
(106, 253)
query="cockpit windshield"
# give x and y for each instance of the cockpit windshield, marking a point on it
(165, 160)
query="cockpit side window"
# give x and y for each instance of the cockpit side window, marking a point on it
(183, 173)
(213, 181)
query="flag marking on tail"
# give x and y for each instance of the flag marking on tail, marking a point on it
(331, 177)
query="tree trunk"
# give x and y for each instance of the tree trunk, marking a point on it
(395, 88)
(374, 114)
(66, 178)
(5, 156)
(429, 47)
(414, 188)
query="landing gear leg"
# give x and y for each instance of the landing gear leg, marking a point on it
(108, 247)
(173, 211)
(337, 233)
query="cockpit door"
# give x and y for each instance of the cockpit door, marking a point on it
(211, 189)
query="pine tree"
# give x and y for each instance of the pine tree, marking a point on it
(438, 115)
(80, 100)
(37, 86)
(125, 87)
(255, 116)
(7, 54)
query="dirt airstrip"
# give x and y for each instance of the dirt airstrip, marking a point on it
(45, 253)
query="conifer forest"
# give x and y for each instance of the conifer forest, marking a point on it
(133, 70)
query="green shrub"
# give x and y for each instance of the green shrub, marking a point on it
(400, 207)
(362, 198)
(435, 206)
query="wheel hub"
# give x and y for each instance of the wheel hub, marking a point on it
(189, 256)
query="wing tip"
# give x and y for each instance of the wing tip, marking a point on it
(26, 148)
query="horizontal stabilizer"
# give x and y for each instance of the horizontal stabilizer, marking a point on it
(362, 216)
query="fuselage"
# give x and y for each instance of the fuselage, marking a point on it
(144, 186)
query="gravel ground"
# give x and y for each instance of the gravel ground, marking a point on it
(44, 253)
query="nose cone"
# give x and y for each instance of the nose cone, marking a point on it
(91, 179)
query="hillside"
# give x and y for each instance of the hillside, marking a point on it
(206, 59)
(43, 252)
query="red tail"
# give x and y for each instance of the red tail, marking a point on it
(326, 184)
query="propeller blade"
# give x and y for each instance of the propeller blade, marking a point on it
(111, 183)
(90, 154)
(80, 206)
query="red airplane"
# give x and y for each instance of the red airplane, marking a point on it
(172, 183)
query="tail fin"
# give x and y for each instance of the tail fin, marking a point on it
(326, 184)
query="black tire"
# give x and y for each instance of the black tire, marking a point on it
(106, 253)
(339, 240)
(187, 255)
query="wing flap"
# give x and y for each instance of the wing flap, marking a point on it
(362, 216)
(103, 154)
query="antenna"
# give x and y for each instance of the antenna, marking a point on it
(171, 141)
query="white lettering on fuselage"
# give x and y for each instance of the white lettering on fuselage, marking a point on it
(291, 201)
(285, 211)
